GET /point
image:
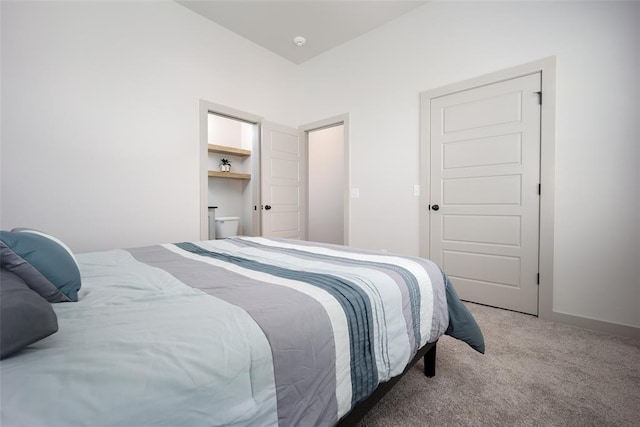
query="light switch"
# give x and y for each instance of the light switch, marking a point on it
(416, 190)
(355, 193)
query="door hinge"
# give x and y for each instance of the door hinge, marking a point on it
(539, 188)
(538, 279)
(539, 97)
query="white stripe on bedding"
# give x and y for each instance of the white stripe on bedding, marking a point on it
(330, 304)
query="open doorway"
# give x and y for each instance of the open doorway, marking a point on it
(230, 194)
(233, 135)
(328, 181)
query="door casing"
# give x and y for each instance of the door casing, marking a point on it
(547, 67)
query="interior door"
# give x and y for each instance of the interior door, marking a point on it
(485, 175)
(283, 174)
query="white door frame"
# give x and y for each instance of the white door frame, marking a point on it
(342, 119)
(207, 107)
(547, 67)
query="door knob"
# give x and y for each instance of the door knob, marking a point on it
(435, 207)
(267, 207)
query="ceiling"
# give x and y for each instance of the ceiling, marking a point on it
(324, 24)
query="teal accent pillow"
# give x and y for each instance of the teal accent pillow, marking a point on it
(25, 317)
(43, 262)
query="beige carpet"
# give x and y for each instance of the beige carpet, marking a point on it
(534, 372)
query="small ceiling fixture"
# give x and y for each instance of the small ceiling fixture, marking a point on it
(299, 41)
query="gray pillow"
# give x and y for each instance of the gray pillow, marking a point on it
(25, 316)
(43, 262)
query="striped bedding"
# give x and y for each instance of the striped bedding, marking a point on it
(245, 331)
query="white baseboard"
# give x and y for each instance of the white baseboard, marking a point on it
(596, 325)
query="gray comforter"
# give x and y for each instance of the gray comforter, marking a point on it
(243, 331)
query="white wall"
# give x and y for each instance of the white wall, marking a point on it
(326, 185)
(100, 111)
(229, 196)
(100, 122)
(377, 79)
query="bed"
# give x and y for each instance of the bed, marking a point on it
(245, 331)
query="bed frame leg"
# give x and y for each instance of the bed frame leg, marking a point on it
(430, 362)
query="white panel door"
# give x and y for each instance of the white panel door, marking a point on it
(283, 174)
(485, 175)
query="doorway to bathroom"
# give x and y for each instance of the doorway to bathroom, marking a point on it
(230, 187)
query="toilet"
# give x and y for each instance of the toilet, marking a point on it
(227, 226)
